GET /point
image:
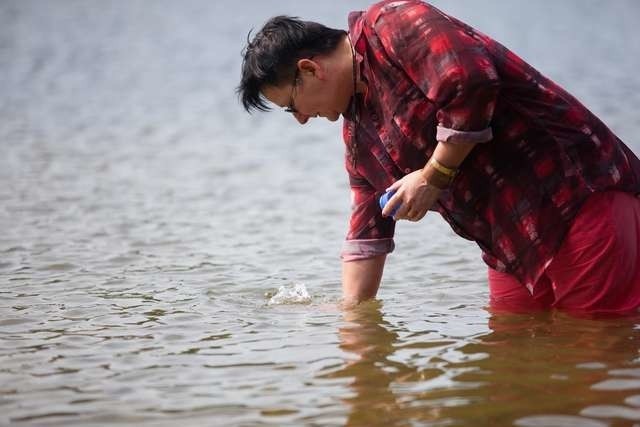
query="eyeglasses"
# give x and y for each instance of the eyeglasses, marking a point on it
(292, 108)
(296, 80)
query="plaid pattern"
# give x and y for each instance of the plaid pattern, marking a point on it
(541, 154)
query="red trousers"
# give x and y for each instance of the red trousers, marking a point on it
(596, 269)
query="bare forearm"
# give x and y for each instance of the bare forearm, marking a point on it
(452, 155)
(361, 279)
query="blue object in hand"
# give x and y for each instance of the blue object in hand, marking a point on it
(384, 199)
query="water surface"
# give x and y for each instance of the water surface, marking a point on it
(147, 223)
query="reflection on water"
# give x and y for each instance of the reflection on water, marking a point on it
(367, 336)
(544, 369)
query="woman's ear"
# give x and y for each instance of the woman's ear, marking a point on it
(310, 67)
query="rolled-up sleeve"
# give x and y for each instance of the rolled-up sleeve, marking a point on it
(451, 68)
(370, 234)
(353, 250)
(466, 115)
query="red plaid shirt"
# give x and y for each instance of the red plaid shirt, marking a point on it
(541, 153)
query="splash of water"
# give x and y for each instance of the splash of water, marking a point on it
(290, 294)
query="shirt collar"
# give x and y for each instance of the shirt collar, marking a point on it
(356, 21)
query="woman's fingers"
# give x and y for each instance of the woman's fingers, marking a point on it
(395, 185)
(393, 206)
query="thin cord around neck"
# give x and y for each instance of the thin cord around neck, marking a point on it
(353, 144)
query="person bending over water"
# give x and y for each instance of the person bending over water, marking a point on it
(456, 123)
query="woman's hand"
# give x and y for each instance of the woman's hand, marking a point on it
(414, 195)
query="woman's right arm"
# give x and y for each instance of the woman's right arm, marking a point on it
(361, 279)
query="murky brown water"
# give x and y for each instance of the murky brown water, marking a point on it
(147, 223)
(528, 370)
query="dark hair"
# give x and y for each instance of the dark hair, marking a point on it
(271, 57)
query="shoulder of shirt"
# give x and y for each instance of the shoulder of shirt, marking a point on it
(390, 13)
(373, 13)
(377, 10)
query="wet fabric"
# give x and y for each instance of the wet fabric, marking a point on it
(596, 269)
